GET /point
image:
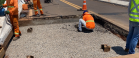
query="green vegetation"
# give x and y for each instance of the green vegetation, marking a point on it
(2, 2)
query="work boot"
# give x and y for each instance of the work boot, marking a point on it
(43, 15)
(92, 30)
(20, 33)
(126, 50)
(29, 29)
(79, 30)
(15, 38)
(36, 15)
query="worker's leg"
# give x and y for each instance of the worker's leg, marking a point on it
(134, 39)
(40, 7)
(128, 40)
(16, 25)
(35, 6)
(11, 20)
(81, 22)
(20, 33)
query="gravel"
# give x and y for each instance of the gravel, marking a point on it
(63, 41)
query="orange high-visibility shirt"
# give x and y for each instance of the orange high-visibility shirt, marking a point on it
(12, 6)
(88, 19)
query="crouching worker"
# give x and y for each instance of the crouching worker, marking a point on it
(12, 10)
(87, 22)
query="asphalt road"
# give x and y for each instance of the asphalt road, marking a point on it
(58, 8)
(117, 14)
(113, 13)
(125, 0)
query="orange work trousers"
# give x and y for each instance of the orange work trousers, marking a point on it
(35, 4)
(14, 22)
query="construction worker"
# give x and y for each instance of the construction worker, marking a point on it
(87, 21)
(133, 36)
(12, 10)
(35, 4)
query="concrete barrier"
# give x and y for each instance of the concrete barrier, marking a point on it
(6, 32)
(6, 24)
(6, 28)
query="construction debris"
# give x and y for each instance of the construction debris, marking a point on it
(29, 29)
(105, 47)
(29, 56)
(2, 52)
(76, 26)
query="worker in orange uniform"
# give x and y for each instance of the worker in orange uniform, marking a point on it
(12, 10)
(35, 4)
(87, 22)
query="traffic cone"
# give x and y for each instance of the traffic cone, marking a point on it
(84, 6)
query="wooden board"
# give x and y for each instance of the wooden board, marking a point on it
(5, 44)
(2, 52)
(7, 40)
(136, 55)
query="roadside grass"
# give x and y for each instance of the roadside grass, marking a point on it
(2, 2)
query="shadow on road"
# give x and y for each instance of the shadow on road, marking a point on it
(86, 30)
(119, 50)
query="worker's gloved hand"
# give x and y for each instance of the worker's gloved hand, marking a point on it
(7, 12)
